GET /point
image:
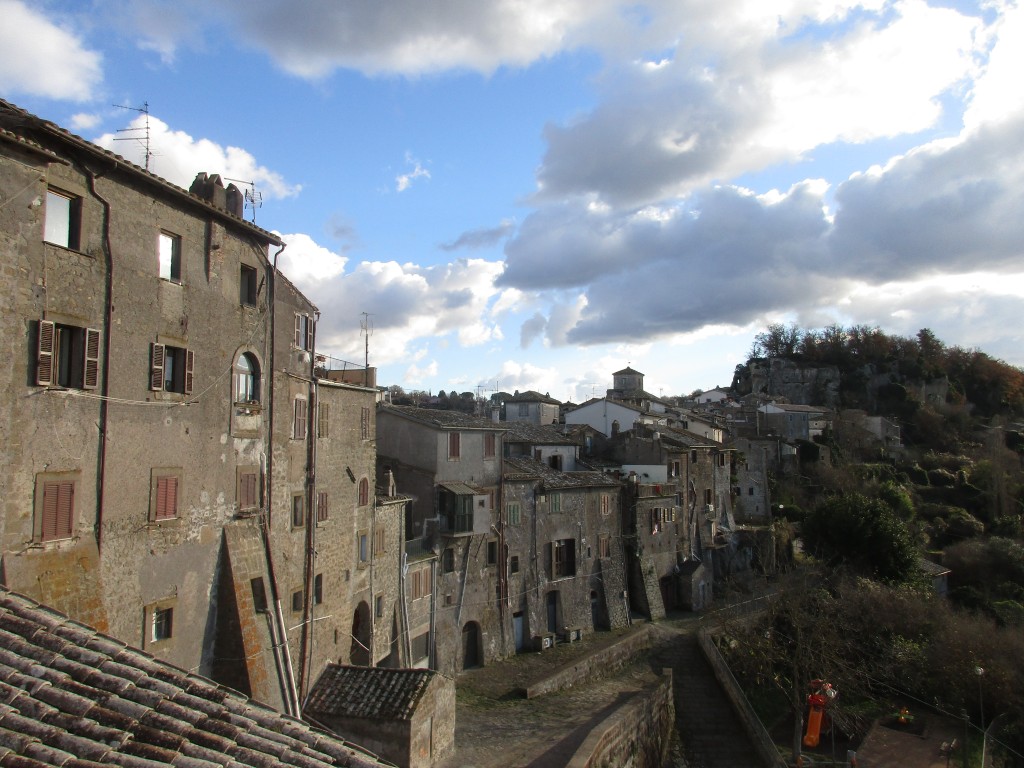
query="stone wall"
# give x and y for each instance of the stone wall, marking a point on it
(596, 664)
(635, 735)
(756, 731)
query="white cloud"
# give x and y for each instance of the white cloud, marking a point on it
(178, 157)
(83, 121)
(404, 180)
(44, 58)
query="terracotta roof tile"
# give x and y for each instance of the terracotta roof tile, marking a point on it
(101, 703)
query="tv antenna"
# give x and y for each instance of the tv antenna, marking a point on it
(253, 199)
(142, 140)
(366, 327)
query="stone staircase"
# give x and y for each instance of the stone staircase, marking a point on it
(711, 734)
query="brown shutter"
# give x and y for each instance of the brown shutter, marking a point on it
(166, 497)
(299, 423)
(321, 506)
(92, 359)
(44, 368)
(190, 360)
(309, 333)
(298, 330)
(156, 368)
(58, 504)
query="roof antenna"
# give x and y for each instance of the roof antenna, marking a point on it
(253, 199)
(366, 327)
(142, 140)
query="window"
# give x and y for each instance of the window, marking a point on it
(693, 457)
(454, 445)
(170, 257)
(248, 289)
(378, 606)
(604, 545)
(524, 409)
(364, 492)
(721, 459)
(362, 543)
(56, 509)
(247, 379)
(323, 420)
(364, 424)
(67, 356)
(421, 646)
(298, 598)
(492, 552)
(304, 332)
(420, 583)
(513, 564)
(298, 511)
(555, 503)
(299, 419)
(162, 624)
(378, 541)
(448, 560)
(513, 513)
(750, 491)
(563, 558)
(63, 219)
(464, 514)
(489, 443)
(318, 589)
(606, 505)
(259, 594)
(322, 506)
(164, 504)
(248, 492)
(674, 469)
(171, 369)
(707, 497)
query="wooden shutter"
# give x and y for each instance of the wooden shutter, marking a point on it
(248, 492)
(44, 368)
(324, 420)
(309, 333)
(299, 422)
(92, 359)
(190, 361)
(299, 327)
(156, 368)
(166, 498)
(58, 504)
(321, 506)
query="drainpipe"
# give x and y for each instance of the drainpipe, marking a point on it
(108, 310)
(291, 699)
(309, 565)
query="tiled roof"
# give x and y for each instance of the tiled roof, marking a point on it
(525, 432)
(443, 419)
(368, 692)
(531, 396)
(523, 467)
(73, 697)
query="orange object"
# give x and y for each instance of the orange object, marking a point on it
(813, 734)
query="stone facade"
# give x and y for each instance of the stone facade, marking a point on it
(160, 420)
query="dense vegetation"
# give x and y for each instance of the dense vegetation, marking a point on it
(856, 607)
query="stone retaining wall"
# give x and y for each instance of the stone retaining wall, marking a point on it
(595, 664)
(635, 735)
(759, 736)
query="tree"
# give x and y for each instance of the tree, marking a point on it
(866, 534)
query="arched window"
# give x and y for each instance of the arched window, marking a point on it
(247, 379)
(364, 492)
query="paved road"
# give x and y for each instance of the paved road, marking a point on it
(497, 728)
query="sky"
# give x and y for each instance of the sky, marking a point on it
(534, 194)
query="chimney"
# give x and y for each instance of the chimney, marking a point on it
(496, 413)
(210, 188)
(235, 201)
(389, 482)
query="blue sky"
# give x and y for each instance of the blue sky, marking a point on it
(532, 194)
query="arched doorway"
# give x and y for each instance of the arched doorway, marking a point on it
(359, 653)
(471, 651)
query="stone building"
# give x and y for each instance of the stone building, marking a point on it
(160, 420)
(532, 407)
(548, 444)
(450, 464)
(406, 716)
(560, 540)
